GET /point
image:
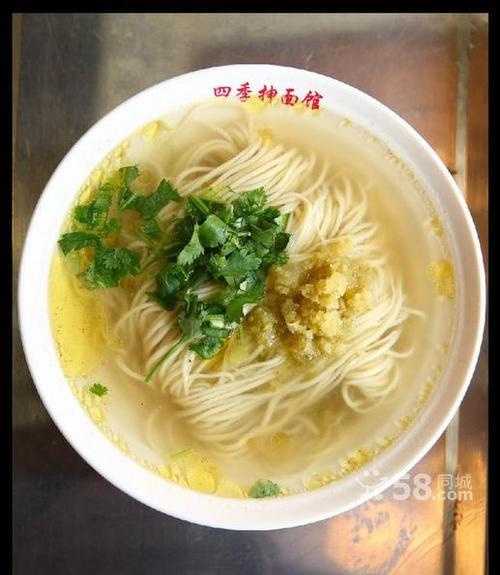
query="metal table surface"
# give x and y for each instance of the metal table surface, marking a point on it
(69, 70)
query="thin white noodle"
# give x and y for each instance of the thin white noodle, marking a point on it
(225, 405)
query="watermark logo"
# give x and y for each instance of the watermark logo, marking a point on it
(455, 487)
(452, 487)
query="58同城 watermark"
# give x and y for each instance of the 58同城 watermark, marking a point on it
(421, 486)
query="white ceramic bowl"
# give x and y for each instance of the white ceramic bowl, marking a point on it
(144, 485)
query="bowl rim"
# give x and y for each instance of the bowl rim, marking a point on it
(247, 514)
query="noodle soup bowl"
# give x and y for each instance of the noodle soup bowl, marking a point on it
(313, 93)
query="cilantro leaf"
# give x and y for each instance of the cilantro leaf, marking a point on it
(206, 347)
(232, 244)
(98, 389)
(201, 323)
(192, 317)
(198, 208)
(125, 177)
(93, 214)
(250, 202)
(251, 295)
(266, 237)
(77, 240)
(282, 240)
(183, 229)
(127, 199)
(128, 174)
(170, 281)
(111, 265)
(277, 255)
(281, 221)
(112, 226)
(271, 214)
(192, 250)
(225, 212)
(150, 206)
(151, 229)
(213, 231)
(264, 488)
(235, 267)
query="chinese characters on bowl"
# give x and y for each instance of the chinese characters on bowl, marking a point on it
(269, 93)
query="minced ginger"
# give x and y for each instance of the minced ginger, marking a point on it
(309, 307)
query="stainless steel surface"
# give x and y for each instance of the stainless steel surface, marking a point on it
(71, 70)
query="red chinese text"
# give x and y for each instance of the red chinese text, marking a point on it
(269, 93)
(244, 91)
(311, 100)
(222, 91)
(289, 99)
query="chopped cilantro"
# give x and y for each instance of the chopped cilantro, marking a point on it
(213, 232)
(250, 202)
(264, 488)
(170, 281)
(112, 226)
(199, 208)
(192, 250)
(230, 244)
(235, 267)
(110, 265)
(151, 229)
(128, 174)
(149, 206)
(78, 240)
(242, 297)
(94, 213)
(122, 182)
(98, 389)
(206, 347)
